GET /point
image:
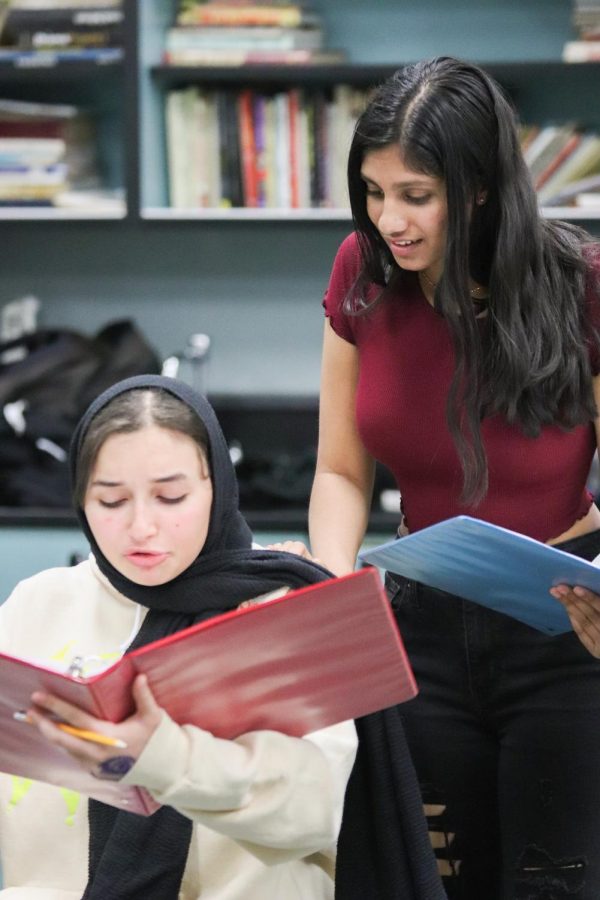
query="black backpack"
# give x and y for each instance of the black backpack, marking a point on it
(52, 378)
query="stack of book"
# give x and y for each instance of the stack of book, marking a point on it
(46, 31)
(586, 23)
(563, 161)
(45, 149)
(282, 150)
(246, 33)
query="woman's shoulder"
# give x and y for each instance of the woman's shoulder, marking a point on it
(348, 253)
(591, 254)
(57, 575)
(55, 585)
(344, 273)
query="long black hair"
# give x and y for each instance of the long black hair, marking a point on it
(530, 360)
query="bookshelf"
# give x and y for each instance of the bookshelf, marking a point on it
(251, 277)
(543, 90)
(96, 83)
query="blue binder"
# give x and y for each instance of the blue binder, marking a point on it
(490, 565)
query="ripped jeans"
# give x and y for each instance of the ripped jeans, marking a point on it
(505, 737)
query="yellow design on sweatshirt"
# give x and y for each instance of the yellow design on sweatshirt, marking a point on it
(72, 799)
(20, 787)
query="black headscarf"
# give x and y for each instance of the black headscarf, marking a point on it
(133, 857)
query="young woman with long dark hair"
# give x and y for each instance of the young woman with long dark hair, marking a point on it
(460, 350)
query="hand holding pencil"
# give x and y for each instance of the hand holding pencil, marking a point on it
(93, 741)
(94, 736)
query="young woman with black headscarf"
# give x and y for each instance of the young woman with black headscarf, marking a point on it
(247, 819)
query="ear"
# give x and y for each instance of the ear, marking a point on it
(481, 197)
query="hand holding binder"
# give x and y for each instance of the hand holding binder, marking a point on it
(314, 657)
(490, 565)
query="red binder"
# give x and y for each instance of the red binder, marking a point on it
(309, 659)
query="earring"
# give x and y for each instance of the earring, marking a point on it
(481, 199)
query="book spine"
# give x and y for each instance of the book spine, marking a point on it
(58, 40)
(56, 17)
(581, 51)
(199, 149)
(41, 59)
(214, 14)
(260, 148)
(294, 145)
(235, 155)
(48, 128)
(270, 132)
(247, 148)
(282, 151)
(225, 199)
(558, 160)
(248, 38)
(228, 58)
(176, 150)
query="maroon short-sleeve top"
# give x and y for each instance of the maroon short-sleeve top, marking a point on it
(537, 486)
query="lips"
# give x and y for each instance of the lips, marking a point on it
(404, 247)
(146, 559)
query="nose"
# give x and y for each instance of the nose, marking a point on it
(392, 219)
(142, 523)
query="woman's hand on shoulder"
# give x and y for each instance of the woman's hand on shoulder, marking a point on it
(583, 609)
(129, 736)
(297, 547)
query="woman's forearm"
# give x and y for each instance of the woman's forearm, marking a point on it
(338, 519)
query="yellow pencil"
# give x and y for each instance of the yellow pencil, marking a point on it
(82, 733)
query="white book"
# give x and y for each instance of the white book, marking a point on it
(584, 160)
(177, 151)
(282, 151)
(581, 51)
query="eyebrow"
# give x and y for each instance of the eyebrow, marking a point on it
(397, 184)
(165, 479)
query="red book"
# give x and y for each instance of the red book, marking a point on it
(248, 148)
(294, 111)
(315, 657)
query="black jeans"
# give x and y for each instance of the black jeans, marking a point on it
(505, 737)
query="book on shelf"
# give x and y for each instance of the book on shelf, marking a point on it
(567, 196)
(248, 148)
(560, 157)
(55, 28)
(283, 149)
(72, 128)
(588, 200)
(102, 200)
(40, 59)
(26, 183)
(583, 161)
(581, 51)
(232, 193)
(37, 151)
(237, 57)
(217, 14)
(50, 5)
(527, 133)
(544, 148)
(243, 38)
(295, 664)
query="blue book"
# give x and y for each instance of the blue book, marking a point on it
(489, 565)
(43, 59)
